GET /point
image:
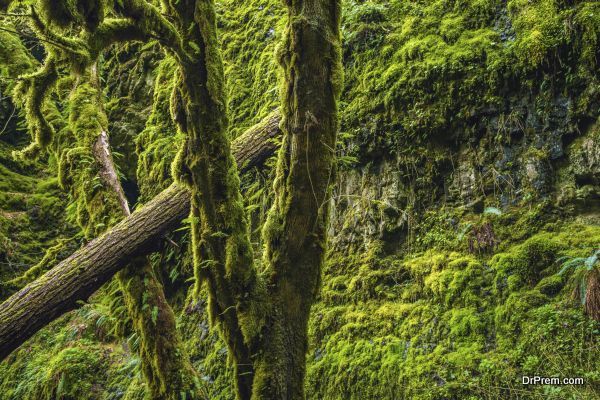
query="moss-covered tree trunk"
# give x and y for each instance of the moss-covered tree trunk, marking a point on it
(72, 281)
(295, 231)
(166, 367)
(167, 370)
(223, 254)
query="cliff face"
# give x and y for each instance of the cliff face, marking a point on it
(469, 174)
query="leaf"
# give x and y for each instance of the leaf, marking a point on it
(252, 207)
(574, 262)
(207, 263)
(492, 210)
(591, 261)
(174, 274)
(154, 314)
(219, 235)
(464, 231)
(148, 45)
(61, 385)
(194, 46)
(562, 259)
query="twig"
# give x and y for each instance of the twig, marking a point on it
(35, 37)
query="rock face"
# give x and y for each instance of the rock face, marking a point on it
(584, 157)
(369, 204)
(518, 155)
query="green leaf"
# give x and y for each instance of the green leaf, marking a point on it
(194, 46)
(492, 210)
(574, 262)
(464, 231)
(591, 261)
(154, 314)
(219, 235)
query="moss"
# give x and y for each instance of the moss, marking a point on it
(551, 285)
(93, 207)
(69, 375)
(68, 361)
(454, 58)
(450, 331)
(15, 58)
(438, 324)
(29, 198)
(165, 365)
(155, 145)
(248, 36)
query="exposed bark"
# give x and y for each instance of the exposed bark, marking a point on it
(79, 276)
(108, 173)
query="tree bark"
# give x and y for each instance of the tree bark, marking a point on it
(73, 280)
(295, 233)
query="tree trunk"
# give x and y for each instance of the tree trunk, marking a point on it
(295, 234)
(79, 276)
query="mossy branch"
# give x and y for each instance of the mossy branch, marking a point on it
(63, 287)
(34, 88)
(150, 20)
(75, 50)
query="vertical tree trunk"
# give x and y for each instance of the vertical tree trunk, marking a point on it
(223, 256)
(295, 231)
(165, 365)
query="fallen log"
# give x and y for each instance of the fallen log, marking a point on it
(76, 278)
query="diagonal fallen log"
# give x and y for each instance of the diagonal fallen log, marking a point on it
(79, 276)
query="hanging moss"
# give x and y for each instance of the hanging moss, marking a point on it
(155, 145)
(248, 36)
(93, 207)
(165, 365)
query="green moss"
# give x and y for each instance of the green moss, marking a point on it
(167, 371)
(423, 68)
(434, 325)
(93, 207)
(156, 145)
(64, 361)
(29, 198)
(248, 37)
(450, 331)
(15, 59)
(69, 375)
